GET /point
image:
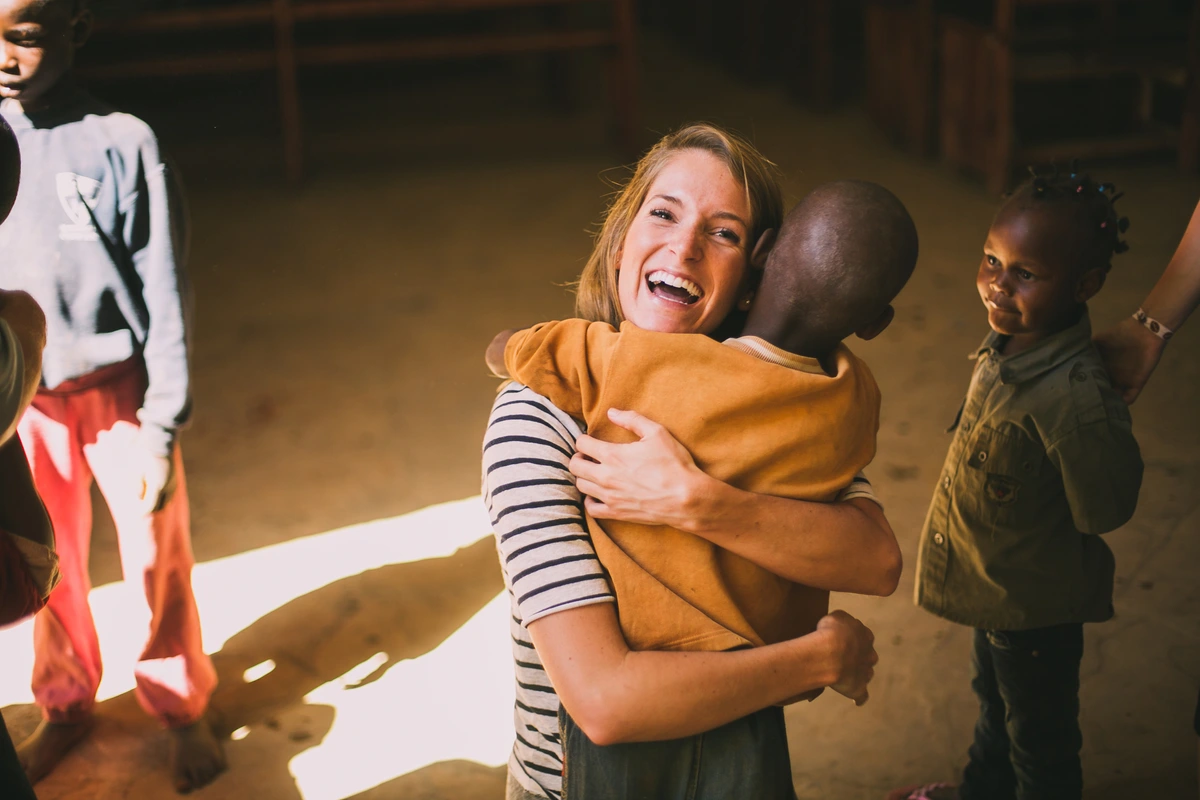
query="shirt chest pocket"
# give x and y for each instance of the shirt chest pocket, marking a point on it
(1002, 471)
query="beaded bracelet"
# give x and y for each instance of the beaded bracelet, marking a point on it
(1153, 325)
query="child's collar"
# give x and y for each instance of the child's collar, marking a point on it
(1041, 357)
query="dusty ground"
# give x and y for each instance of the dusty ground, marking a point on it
(339, 382)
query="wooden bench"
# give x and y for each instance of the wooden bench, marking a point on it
(989, 69)
(286, 52)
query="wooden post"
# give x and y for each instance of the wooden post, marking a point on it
(624, 78)
(289, 96)
(1189, 126)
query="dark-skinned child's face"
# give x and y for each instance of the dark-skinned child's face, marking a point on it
(1032, 278)
(39, 40)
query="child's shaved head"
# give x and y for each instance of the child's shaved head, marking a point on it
(843, 253)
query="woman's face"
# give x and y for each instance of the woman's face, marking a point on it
(682, 267)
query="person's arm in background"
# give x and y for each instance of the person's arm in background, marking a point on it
(841, 547)
(1130, 350)
(155, 237)
(22, 339)
(616, 695)
(28, 566)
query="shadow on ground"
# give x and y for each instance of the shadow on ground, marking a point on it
(382, 616)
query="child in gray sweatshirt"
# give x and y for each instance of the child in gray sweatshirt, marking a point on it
(95, 238)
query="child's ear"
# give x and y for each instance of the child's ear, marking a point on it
(1089, 284)
(81, 27)
(762, 249)
(878, 326)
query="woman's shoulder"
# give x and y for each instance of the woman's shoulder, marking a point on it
(517, 403)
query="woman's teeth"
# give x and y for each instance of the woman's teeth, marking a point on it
(661, 278)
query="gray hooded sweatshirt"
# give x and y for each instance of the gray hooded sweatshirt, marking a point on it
(97, 237)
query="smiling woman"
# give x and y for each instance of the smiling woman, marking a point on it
(679, 252)
(683, 266)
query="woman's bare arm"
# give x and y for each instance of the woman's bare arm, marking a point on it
(1130, 351)
(618, 695)
(843, 547)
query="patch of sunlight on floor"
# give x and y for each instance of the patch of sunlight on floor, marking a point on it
(235, 591)
(455, 702)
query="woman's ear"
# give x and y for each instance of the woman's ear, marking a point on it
(762, 249)
(1089, 284)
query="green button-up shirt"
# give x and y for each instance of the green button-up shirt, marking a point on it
(1043, 458)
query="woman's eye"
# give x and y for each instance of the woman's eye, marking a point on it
(661, 213)
(729, 235)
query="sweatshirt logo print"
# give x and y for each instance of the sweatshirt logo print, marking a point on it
(78, 195)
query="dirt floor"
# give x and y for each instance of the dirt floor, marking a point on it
(346, 578)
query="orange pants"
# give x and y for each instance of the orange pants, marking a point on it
(88, 427)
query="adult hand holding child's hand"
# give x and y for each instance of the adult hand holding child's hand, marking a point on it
(1131, 353)
(854, 651)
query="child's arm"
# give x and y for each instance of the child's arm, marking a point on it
(155, 234)
(21, 510)
(27, 571)
(1101, 468)
(22, 338)
(564, 361)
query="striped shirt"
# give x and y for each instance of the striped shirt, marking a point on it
(547, 558)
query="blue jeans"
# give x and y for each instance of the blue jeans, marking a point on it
(746, 758)
(1027, 737)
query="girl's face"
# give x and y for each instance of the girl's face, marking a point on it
(683, 264)
(1029, 277)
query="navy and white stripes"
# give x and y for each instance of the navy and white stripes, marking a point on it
(547, 557)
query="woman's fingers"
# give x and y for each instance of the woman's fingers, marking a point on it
(594, 448)
(644, 427)
(597, 509)
(589, 489)
(584, 468)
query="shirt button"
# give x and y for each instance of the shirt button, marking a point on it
(1081, 376)
(946, 481)
(982, 456)
(966, 426)
(938, 539)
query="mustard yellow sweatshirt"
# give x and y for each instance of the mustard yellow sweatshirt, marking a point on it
(791, 431)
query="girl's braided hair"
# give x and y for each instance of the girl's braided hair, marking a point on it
(1094, 200)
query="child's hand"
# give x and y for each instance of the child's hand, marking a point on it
(495, 353)
(157, 474)
(1131, 353)
(854, 651)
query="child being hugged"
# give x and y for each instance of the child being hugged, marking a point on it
(1043, 459)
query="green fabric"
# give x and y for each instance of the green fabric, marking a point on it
(1043, 458)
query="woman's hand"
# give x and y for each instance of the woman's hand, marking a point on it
(651, 481)
(854, 649)
(1131, 353)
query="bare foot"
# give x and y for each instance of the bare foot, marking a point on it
(46, 746)
(196, 756)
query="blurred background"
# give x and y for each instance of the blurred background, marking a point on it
(378, 186)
